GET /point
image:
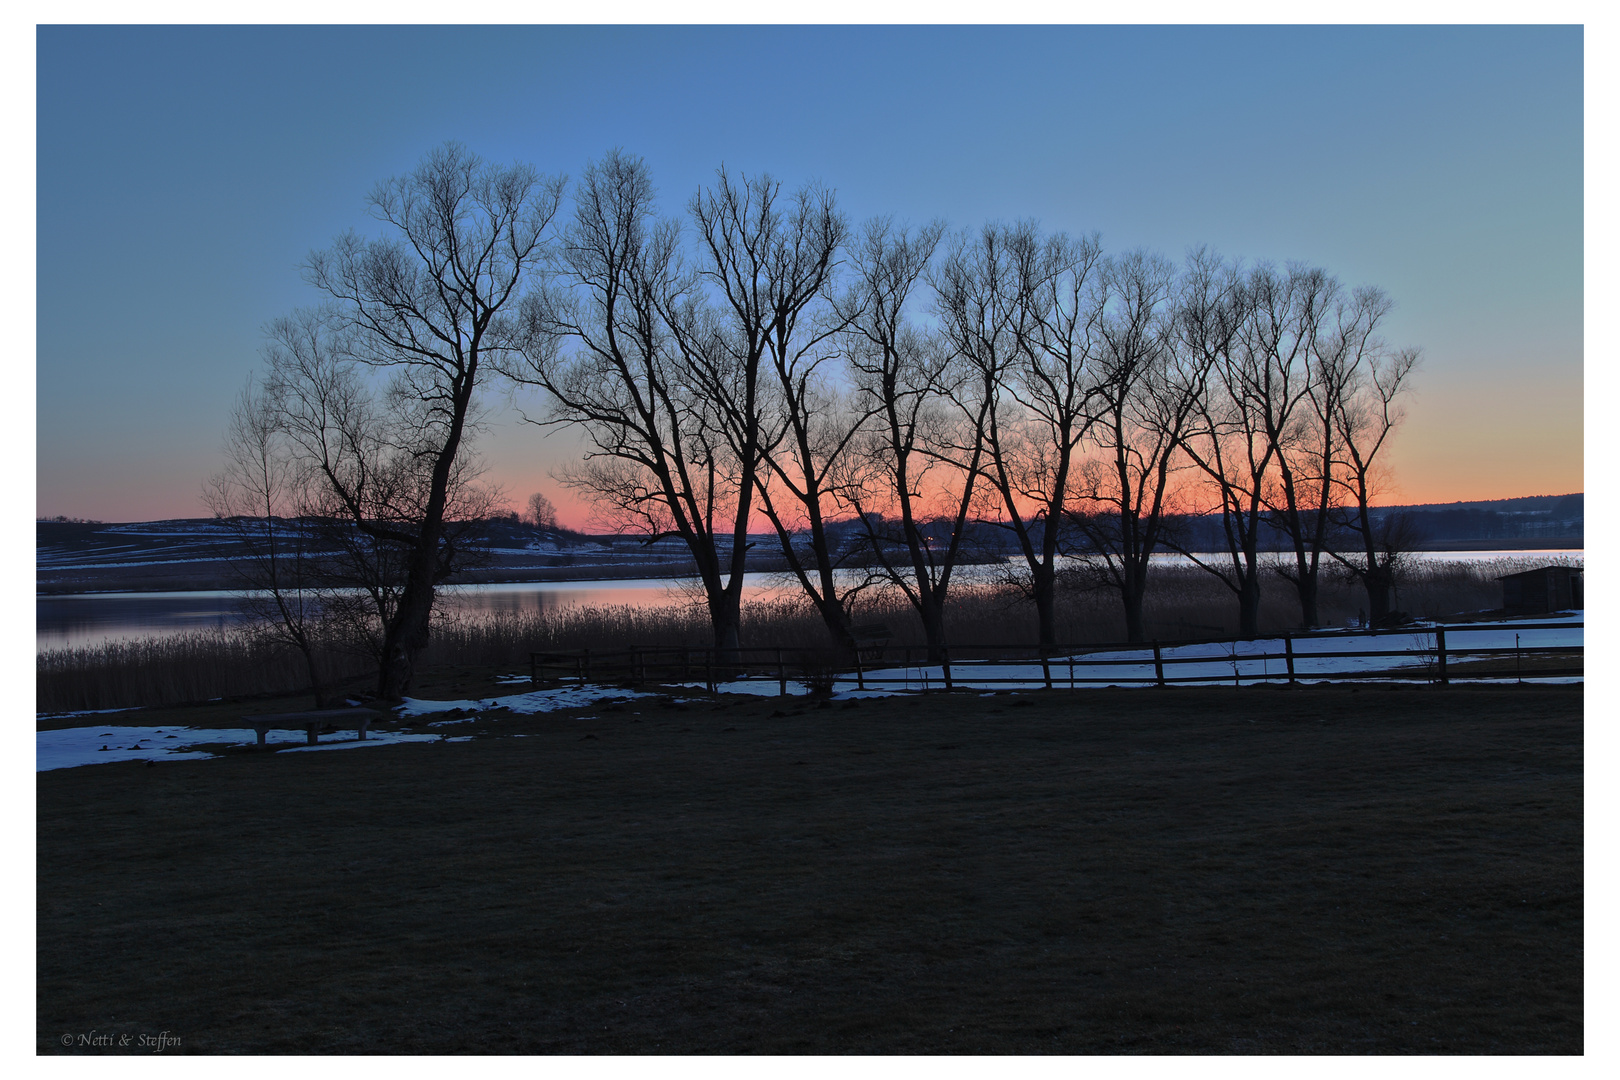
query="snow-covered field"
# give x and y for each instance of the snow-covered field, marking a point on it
(1316, 659)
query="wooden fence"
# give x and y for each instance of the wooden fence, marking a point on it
(1431, 654)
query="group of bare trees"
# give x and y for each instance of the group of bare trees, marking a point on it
(1297, 399)
(762, 357)
(875, 394)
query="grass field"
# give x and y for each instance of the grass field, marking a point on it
(1272, 870)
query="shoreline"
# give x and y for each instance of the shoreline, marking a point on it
(172, 582)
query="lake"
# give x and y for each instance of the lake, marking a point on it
(90, 618)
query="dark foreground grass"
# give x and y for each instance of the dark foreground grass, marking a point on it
(1305, 870)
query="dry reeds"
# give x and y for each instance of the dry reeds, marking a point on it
(190, 667)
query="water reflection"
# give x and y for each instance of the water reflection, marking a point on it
(93, 617)
(531, 598)
(90, 618)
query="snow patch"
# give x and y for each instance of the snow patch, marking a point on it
(536, 701)
(72, 747)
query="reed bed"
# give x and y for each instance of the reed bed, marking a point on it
(1182, 602)
(197, 666)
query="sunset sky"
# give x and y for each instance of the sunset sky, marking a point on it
(183, 174)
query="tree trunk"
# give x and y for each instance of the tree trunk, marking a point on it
(932, 611)
(407, 633)
(1043, 582)
(1306, 585)
(394, 673)
(837, 621)
(1130, 594)
(826, 599)
(1377, 584)
(315, 684)
(404, 640)
(1249, 606)
(725, 616)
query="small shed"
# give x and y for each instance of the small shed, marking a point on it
(1549, 588)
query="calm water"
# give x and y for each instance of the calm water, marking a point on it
(89, 618)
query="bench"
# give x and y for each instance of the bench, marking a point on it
(312, 722)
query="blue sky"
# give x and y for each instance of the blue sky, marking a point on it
(184, 173)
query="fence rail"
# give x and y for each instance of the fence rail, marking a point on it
(1428, 656)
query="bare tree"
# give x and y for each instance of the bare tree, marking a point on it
(1292, 347)
(1365, 414)
(1146, 394)
(364, 477)
(768, 262)
(598, 343)
(430, 306)
(542, 514)
(258, 495)
(1021, 311)
(1228, 438)
(912, 493)
(815, 429)
(666, 374)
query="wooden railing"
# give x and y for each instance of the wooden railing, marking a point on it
(1431, 655)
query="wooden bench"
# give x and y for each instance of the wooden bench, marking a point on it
(312, 722)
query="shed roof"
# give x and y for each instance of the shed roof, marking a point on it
(1541, 570)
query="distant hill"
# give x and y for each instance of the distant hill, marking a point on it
(1555, 520)
(1558, 505)
(196, 553)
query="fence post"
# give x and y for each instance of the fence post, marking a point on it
(781, 675)
(947, 667)
(1158, 663)
(1288, 651)
(708, 668)
(1046, 668)
(860, 675)
(1440, 648)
